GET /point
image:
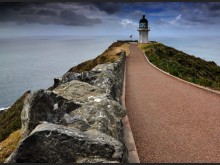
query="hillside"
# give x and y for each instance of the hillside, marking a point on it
(109, 55)
(10, 119)
(182, 65)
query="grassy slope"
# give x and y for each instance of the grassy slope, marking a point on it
(10, 120)
(8, 145)
(182, 65)
(109, 55)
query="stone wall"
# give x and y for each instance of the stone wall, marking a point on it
(79, 121)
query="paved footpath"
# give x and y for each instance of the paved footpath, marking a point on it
(171, 121)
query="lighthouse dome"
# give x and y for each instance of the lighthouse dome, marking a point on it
(143, 23)
(143, 20)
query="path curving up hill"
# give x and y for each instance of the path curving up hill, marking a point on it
(171, 121)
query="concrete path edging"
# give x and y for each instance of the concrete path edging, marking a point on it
(128, 135)
(198, 86)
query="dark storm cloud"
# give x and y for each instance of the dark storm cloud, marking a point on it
(214, 6)
(47, 12)
(70, 18)
(43, 13)
(80, 14)
(184, 14)
(5, 6)
(196, 19)
(202, 13)
(213, 10)
(192, 13)
(108, 7)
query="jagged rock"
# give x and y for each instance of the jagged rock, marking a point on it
(43, 105)
(52, 143)
(107, 81)
(102, 114)
(86, 76)
(62, 106)
(57, 81)
(67, 77)
(80, 120)
(108, 77)
(98, 111)
(78, 91)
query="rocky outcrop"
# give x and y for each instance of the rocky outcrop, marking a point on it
(109, 77)
(80, 120)
(56, 143)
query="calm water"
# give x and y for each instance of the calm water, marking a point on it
(31, 63)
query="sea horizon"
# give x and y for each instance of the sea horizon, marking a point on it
(32, 62)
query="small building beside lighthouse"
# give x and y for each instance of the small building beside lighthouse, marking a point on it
(143, 30)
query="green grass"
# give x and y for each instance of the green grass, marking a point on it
(10, 120)
(182, 65)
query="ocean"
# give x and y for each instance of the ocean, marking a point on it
(31, 63)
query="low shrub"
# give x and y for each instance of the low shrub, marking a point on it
(182, 65)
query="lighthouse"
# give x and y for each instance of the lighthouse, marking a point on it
(143, 30)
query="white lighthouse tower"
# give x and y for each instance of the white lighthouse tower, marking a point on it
(143, 30)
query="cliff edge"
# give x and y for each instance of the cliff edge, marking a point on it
(79, 118)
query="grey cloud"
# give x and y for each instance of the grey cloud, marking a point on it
(196, 19)
(195, 14)
(213, 6)
(47, 12)
(26, 12)
(208, 13)
(43, 13)
(137, 14)
(108, 7)
(73, 14)
(213, 10)
(70, 18)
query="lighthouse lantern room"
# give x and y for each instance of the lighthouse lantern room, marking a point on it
(143, 30)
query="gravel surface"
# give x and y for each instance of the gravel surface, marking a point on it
(171, 121)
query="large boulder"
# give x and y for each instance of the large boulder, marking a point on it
(59, 144)
(43, 105)
(98, 111)
(74, 103)
(79, 92)
(100, 114)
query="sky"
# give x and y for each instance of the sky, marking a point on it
(108, 18)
